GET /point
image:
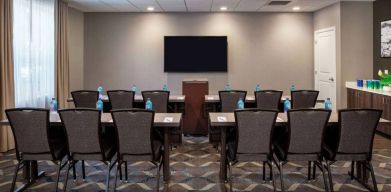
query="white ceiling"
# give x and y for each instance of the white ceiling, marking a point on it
(198, 5)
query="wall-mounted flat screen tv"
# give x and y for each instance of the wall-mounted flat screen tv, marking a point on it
(195, 53)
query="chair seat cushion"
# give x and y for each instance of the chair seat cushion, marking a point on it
(331, 155)
(155, 157)
(108, 148)
(284, 156)
(59, 150)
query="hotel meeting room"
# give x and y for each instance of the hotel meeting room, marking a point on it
(195, 95)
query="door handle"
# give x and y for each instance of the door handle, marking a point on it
(331, 79)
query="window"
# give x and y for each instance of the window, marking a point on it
(34, 50)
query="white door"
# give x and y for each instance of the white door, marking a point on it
(326, 64)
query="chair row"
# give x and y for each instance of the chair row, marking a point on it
(306, 139)
(266, 99)
(85, 140)
(121, 99)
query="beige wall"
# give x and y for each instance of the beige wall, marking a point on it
(326, 18)
(76, 48)
(357, 42)
(354, 35)
(273, 49)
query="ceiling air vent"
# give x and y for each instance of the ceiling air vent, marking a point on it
(279, 2)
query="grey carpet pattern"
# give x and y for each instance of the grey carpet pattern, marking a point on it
(195, 167)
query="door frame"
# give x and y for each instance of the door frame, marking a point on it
(333, 30)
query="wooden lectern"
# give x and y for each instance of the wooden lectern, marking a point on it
(194, 121)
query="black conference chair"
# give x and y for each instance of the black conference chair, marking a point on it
(229, 99)
(135, 139)
(303, 125)
(34, 139)
(254, 131)
(268, 99)
(303, 99)
(159, 100)
(355, 135)
(228, 103)
(85, 98)
(85, 140)
(121, 99)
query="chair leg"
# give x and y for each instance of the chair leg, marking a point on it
(282, 176)
(352, 170)
(83, 169)
(323, 169)
(118, 168)
(264, 172)
(314, 171)
(126, 171)
(15, 176)
(58, 174)
(230, 176)
(108, 176)
(272, 176)
(158, 176)
(330, 177)
(66, 177)
(74, 171)
(309, 171)
(373, 176)
(120, 172)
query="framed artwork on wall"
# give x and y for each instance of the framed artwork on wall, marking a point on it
(385, 38)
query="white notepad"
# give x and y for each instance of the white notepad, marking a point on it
(222, 119)
(168, 119)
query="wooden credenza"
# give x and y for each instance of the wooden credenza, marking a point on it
(363, 98)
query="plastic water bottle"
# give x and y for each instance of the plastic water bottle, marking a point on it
(148, 104)
(227, 87)
(240, 104)
(134, 88)
(100, 90)
(53, 105)
(293, 88)
(328, 104)
(99, 105)
(258, 88)
(165, 87)
(287, 105)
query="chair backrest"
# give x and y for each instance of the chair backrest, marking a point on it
(83, 130)
(268, 99)
(30, 129)
(303, 99)
(254, 130)
(85, 98)
(121, 99)
(307, 125)
(159, 100)
(229, 99)
(134, 131)
(357, 129)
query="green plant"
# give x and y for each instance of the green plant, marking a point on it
(385, 79)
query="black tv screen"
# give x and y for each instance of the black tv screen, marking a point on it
(195, 53)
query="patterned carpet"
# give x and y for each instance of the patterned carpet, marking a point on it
(195, 167)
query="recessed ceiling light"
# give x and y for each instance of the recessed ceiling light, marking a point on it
(150, 8)
(297, 8)
(223, 8)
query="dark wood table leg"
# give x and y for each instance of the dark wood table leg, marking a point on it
(223, 167)
(166, 165)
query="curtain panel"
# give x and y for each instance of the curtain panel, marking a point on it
(62, 54)
(6, 72)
